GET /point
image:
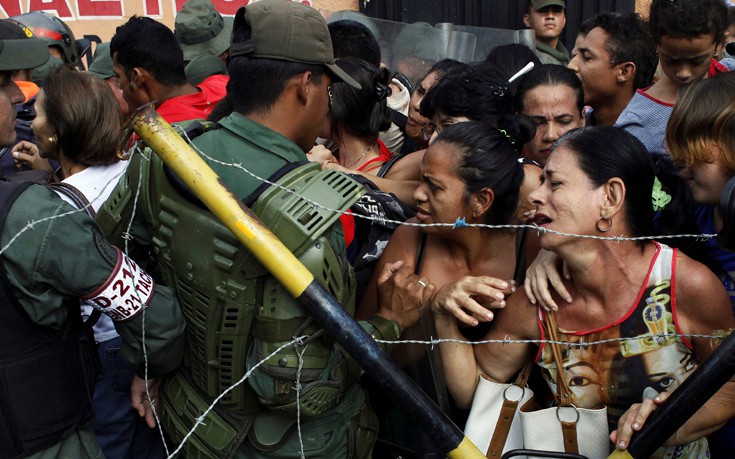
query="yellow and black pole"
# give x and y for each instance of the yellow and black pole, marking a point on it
(288, 270)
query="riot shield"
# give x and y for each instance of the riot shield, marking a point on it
(411, 49)
(488, 38)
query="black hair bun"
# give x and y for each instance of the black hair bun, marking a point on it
(381, 80)
(518, 129)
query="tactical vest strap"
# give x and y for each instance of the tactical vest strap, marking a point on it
(288, 209)
(382, 329)
(278, 175)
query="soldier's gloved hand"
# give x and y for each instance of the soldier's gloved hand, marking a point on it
(402, 294)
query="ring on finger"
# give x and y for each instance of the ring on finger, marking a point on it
(422, 283)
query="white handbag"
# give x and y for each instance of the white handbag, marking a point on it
(543, 431)
(503, 417)
(495, 409)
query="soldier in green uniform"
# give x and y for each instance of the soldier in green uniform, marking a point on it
(53, 256)
(547, 18)
(281, 67)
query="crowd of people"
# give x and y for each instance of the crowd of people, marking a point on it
(129, 308)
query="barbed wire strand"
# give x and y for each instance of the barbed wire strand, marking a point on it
(200, 419)
(459, 222)
(434, 341)
(296, 341)
(126, 238)
(298, 397)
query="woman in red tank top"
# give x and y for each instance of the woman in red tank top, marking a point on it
(599, 182)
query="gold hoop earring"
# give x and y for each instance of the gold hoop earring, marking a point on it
(604, 229)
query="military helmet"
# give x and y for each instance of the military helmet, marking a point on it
(53, 31)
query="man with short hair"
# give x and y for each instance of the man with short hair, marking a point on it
(614, 55)
(101, 67)
(300, 398)
(149, 64)
(547, 18)
(53, 257)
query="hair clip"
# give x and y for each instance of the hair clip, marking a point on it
(507, 136)
(499, 91)
(659, 197)
(382, 91)
(527, 68)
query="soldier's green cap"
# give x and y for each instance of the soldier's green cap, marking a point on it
(289, 31)
(19, 50)
(201, 30)
(102, 64)
(202, 67)
(40, 73)
(540, 4)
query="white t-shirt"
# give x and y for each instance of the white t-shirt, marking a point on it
(97, 183)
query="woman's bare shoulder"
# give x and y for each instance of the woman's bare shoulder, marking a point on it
(405, 238)
(518, 319)
(406, 168)
(702, 301)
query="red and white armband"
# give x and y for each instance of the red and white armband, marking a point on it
(126, 293)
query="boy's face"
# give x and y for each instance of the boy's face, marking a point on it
(548, 23)
(686, 60)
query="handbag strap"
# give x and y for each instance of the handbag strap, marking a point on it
(507, 413)
(563, 398)
(77, 197)
(552, 331)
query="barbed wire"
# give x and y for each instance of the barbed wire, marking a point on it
(298, 341)
(433, 341)
(298, 398)
(200, 420)
(152, 403)
(458, 223)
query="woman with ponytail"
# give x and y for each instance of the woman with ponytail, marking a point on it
(356, 117)
(470, 174)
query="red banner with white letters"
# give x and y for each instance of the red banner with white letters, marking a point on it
(101, 17)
